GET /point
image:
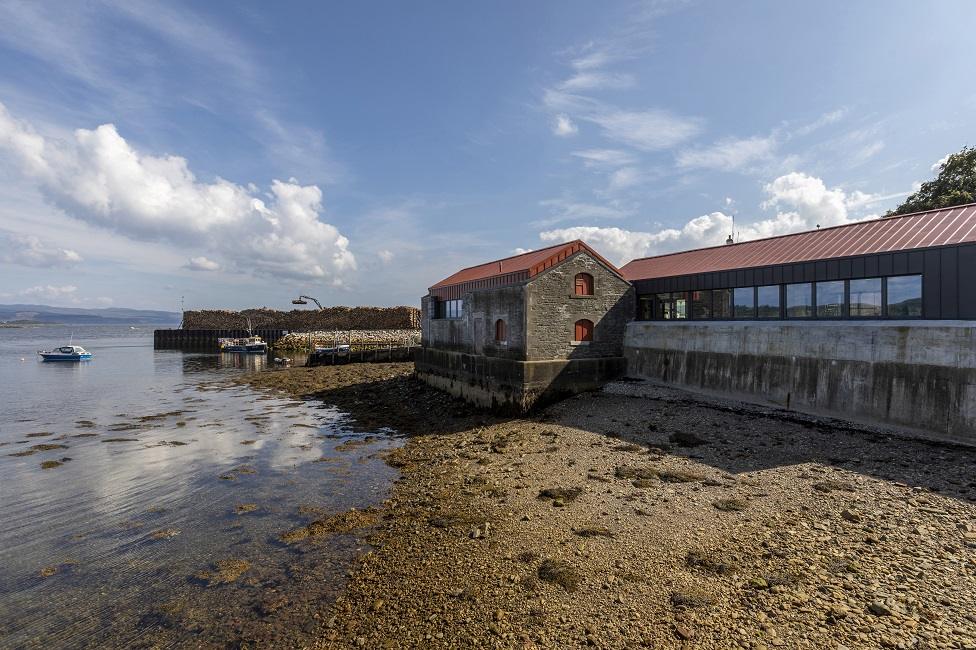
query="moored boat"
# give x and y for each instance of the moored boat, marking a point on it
(66, 353)
(247, 344)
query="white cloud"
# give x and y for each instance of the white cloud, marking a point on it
(650, 130)
(822, 121)
(810, 203)
(729, 154)
(623, 178)
(568, 210)
(605, 157)
(563, 126)
(803, 203)
(621, 246)
(201, 264)
(28, 250)
(386, 256)
(592, 80)
(522, 251)
(101, 179)
(51, 292)
(937, 165)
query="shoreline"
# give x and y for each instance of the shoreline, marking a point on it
(646, 516)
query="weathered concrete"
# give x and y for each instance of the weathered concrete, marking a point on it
(919, 375)
(509, 384)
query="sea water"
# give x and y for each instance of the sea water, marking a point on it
(126, 480)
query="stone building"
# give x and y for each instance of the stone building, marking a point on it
(534, 326)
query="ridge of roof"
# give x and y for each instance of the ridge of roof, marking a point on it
(795, 234)
(535, 259)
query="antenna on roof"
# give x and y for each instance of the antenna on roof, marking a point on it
(730, 240)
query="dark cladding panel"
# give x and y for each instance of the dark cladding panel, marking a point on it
(916, 262)
(900, 263)
(857, 268)
(871, 266)
(950, 283)
(844, 269)
(884, 264)
(821, 273)
(778, 276)
(966, 286)
(931, 285)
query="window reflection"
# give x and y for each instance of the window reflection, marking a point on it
(830, 299)
(799, 300)
(905, 296)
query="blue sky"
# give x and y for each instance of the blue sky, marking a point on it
(240, 153)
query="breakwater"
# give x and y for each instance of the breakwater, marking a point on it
(306, 320)
(205, 340)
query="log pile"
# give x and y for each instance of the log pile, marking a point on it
(306, 320)
(354, 338)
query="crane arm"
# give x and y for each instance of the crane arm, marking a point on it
(317, 303)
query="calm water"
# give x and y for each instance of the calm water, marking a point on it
(157, 453)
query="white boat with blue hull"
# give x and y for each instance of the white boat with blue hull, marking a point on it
(66, 353)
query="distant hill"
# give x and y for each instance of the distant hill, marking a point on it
(75, 316)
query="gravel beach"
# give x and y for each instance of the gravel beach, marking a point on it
(647, 516)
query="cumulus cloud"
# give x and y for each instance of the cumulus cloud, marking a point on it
(729, 154)
(802, 202)
(937, 165)
(385, 256)
(563, 126)
(621, 246)
(28, 250)
(50, 292)
(201, 264)
(98, 177)
(809, 202)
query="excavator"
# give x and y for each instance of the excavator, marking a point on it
(303, 300)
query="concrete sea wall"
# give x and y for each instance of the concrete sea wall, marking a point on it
(914, 374)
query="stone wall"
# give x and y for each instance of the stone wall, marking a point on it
(510, 385)
(919, 375)
(553, 309)
(306, 320)
(474, 332)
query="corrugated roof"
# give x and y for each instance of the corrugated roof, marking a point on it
(904, 232)
(528, 264)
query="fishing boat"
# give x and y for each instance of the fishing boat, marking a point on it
(66, 353)
(246, 344)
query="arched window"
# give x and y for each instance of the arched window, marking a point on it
(584, 284)
(501, 331)
(584, 330)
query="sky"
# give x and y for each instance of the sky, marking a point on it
(238, 154)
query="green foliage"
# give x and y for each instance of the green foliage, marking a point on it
(955, 185)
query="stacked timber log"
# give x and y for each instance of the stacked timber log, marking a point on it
(353, 338)
(307, 320)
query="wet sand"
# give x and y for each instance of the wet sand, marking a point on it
(644, 516)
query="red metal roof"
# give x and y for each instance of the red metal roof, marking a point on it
(520, 267)
(904, 232)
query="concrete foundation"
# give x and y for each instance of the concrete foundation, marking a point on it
(509, 384)
(913, 374)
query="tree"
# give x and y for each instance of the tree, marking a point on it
(955, 185)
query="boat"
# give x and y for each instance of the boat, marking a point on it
(66, 353)
(246, 344)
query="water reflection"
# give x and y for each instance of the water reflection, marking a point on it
(158, 458)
